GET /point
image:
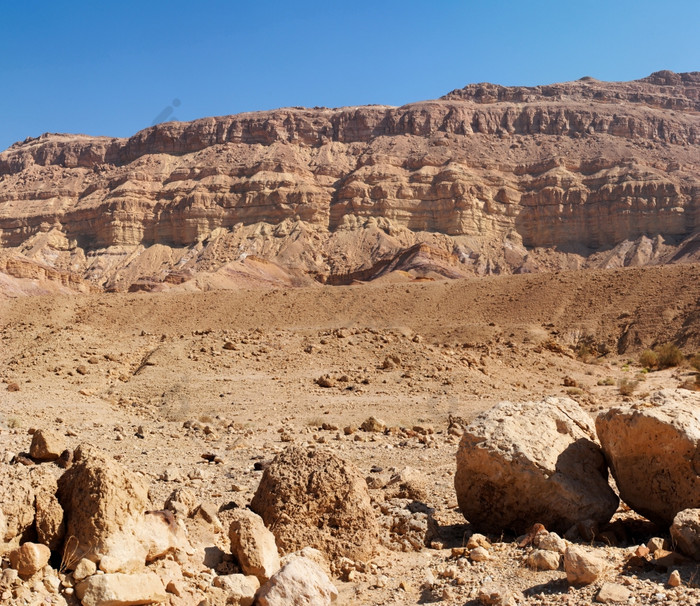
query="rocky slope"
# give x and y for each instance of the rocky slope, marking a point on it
(487, 179)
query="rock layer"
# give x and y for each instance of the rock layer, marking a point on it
(483, 177)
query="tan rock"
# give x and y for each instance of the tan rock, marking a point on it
(301, 581)
(478, 540)
(121, 589)
(253, 545)
(83, 569)
(520, 464)
(674, 579)
(314, 498)
(653, 453)
(29, 558)
(240, 589)
(685, 532)
(372, 424)
(50, 527)
(17, 497)
(611, 593)
(103, 504)
(582, 567)
(493, 594)
(550, 541)
(541, 559)
(479, 554)
(47, 445)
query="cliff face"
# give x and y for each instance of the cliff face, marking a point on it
(486, 179)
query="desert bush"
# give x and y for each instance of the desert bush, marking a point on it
(649, 359)
(669, 355)
(606, 381)
(627, 386)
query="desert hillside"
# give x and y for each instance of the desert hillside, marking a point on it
(485, 180)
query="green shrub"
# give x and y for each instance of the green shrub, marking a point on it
(669, 355)
(649, 359)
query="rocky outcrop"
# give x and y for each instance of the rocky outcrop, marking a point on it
(313, 498)
(519, 464)
(653, 448)
(484, 177)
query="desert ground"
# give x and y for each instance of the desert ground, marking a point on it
(194, 389)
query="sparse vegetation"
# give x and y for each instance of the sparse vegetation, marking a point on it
(627, 386)
(669, 355)
(574, 391)
(606, 381)
(648, 359)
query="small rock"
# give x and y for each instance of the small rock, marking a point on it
(491, 594)
(300, 581)
(253, 545)
(373, 424)
(240, 589)
(479, 554)
(685, 532)
(611, 593)
(582, 567)
(478, 540)
(29, 559)
(656, 543)
(541, 559)
(674, 579)
(84, 569)
(550, 541)
(119, 589)
(46, 445)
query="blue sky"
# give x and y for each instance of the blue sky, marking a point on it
(111, 68)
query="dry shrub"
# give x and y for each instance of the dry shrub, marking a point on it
(669, 355)
(627, 386)
(649, 359)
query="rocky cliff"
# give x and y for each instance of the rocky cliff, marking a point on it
(487, 179)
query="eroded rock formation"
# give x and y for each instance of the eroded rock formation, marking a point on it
(486, 179)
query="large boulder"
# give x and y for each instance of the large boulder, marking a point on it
(523, 463)
(653, 449)
(312, 497)
(105, 507)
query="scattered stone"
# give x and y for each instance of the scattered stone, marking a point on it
(582, 567)
(656, 543)
(314, 498)
(325, 381)
(685, 532)
(541, 559)
(119, 589)
(82, 370)
(612, 592)
(46, 445)
(550, 541)
(522, 463)
(478, 540)
(12, 386)
(653, 453)
(29, 558)
(300, 581)
(674, 579)
(253, 545)
(372, 424)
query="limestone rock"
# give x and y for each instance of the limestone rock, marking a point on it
(541, 559)
(29, 559)
(582, 567)
(49, 516)
(654, 453)
(299, 582)
(253, 545)
(372, 424)
(314, 498)
(240, 589)
(520, 464)
(83, 569)
(611, 593)
(17, 497)
(493, 594)
(121, 589)
(685, 532)
(103, 503)
(47, 445)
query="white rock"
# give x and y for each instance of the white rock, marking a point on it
(582, 567)
(121, 589)
(300, 582)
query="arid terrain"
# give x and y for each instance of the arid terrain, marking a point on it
(198, 298)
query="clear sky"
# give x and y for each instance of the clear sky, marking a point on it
(113, 68)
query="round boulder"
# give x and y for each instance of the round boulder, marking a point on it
(653, 449)
(533, 462)
(314, 498)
